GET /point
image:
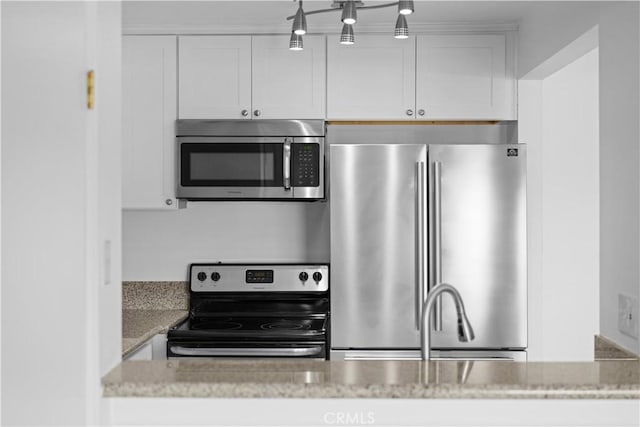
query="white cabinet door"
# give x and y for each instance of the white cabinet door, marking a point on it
(288, 84)
(372, 79)
(214, 77)
(149, 114)
(463, 77)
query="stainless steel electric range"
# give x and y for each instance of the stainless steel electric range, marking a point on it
(257, 310)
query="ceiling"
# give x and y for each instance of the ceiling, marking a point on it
(269, 16)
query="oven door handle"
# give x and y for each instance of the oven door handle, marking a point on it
(253, 352)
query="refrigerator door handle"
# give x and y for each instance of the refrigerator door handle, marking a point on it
(435, 253)
(420, 255)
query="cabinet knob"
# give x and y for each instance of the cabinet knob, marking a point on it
(169, 202)
(409, 112)
(256, 113)
(244, 113)
(421, 112)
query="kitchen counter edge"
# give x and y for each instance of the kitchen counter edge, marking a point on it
(366, 379)
(139, 326)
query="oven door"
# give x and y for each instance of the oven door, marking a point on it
(241, 349)
(213, 168)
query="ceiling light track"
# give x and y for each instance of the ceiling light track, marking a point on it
(349, 9)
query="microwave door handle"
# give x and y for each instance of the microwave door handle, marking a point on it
(286, 164)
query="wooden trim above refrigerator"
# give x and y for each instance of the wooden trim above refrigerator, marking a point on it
(409, 122)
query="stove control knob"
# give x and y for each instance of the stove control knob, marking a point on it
(202, 276)
(317, 276)
(215, 276)
(303, 276)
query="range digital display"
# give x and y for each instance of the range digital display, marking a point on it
(259, 276)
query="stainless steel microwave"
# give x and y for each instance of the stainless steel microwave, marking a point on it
(251, 159)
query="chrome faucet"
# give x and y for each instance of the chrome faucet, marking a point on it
(465, 331)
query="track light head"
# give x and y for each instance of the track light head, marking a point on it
(347, 34)
(402, 30)
(300, 22)
(405, 7)
(349, 14)
(295, 43)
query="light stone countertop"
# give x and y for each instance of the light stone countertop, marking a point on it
(286, 378)
(605, 349)
(150, 308)
(138, 326)
(155, 295)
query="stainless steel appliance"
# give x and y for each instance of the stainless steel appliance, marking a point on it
(407, 217)
(250, 159)
(258, 310)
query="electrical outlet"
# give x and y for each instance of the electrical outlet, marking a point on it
(628, 315)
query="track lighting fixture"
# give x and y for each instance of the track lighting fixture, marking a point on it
(349, 9)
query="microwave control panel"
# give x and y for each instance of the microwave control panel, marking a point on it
(305, 165)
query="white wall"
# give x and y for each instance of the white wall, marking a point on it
(570, 210)
(161, 245)
(59, 161)
(559, 124)
(544, 32)
(109, 118)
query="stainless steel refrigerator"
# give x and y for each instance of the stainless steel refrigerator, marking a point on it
(405, 217)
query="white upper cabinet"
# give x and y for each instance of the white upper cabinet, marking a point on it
(288, 84)
(149, 112)
(430, 77)
(372, 79)
(464, 77)
(245, 77)
(215, 77)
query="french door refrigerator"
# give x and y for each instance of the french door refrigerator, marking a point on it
(405, 217)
